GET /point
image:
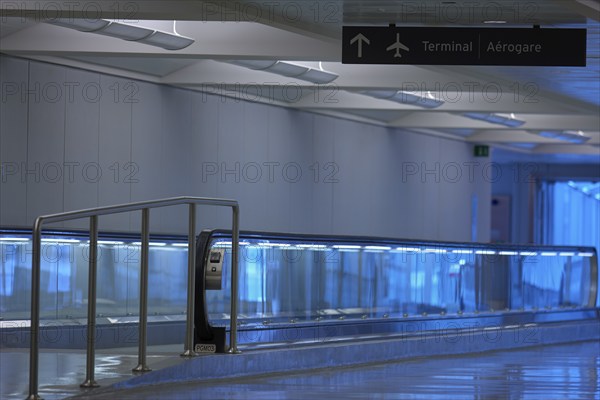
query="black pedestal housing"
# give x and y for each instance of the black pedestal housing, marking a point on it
(216, 344)
(207, 338)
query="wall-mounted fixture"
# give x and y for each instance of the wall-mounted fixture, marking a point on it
(150, 36)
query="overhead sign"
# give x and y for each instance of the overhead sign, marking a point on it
(464, 46)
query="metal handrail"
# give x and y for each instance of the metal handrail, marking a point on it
(145, 207)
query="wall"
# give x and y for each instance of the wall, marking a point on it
(73, 139)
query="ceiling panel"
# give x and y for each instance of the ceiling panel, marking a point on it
(309, 33)
(155, 66)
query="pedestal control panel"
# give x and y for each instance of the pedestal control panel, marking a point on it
(214, 269)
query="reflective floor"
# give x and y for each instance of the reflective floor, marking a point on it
(552, 372)
(61, 371)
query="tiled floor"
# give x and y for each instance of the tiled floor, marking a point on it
(551, 372)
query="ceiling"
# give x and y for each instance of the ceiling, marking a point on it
(310, 33)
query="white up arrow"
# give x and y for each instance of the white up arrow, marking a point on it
(360, 38)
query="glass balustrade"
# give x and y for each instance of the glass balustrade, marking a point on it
(288, 277)
(329, 278)
(64, 275)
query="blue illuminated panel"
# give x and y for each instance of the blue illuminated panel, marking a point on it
(285, 277)
(327, 278)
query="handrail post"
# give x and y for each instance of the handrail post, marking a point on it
(93, 214)
(91, 323)
(188, 350)
(35, 310)
(235, 244)
(142, 367)
(593, 281)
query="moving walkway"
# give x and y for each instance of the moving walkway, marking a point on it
(294, 289)
(304, 289)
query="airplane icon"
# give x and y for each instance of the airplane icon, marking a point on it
(397, 46)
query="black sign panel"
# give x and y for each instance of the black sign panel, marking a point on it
(464, 46)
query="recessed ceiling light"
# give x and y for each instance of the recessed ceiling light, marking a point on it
(254, 64)
(499, 119)
(404, 97)
(318, 76)
(289, 69)
(126, 32)
(83, 25)
(576, 137)
(167, 41)
(142, 34)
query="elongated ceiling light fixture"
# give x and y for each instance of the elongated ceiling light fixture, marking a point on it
(577, 137)
(152, 37)
(404, 97)
(289, 69)
(507, 120)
